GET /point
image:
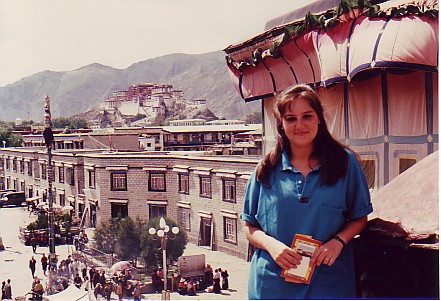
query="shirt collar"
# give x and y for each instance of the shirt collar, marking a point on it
(286, 163)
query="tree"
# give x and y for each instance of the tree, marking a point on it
(128, 243)
(106, 236)
(9, 138)
(151, 245)
(71, 123)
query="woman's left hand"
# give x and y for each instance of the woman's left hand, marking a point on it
(327, 253)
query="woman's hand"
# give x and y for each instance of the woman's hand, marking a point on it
(327, 253)
(283, 255)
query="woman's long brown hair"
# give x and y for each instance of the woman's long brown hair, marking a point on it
(331, 153)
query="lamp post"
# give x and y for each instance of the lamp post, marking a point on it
(163, 234)
(48, 136)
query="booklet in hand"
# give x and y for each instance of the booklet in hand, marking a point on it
(306, 246)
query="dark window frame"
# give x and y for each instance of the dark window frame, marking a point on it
(202, 193)
(224, 190)
(91, 178)
(29, 167)
(119, 210)
(227, 237)
(70, 176)
(184, 186)
(43, 175)
(61, 177)
(154, 211)
(112, 180)
(153, 175)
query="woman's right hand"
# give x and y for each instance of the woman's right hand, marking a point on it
(283, 255)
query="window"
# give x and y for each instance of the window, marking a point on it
(70, 176)
(229, 190)
(29, 168)
(61, 174)
(368, 166)
(405, 163)
(62, 200)
(118, 181)
(91, 174)
(43, 171)
(22, 186)
(119, 210)
(157, 211)
(184, 183)
(8, 164)
(184, 218)
(205, 187)
(14, 165)
(230, 229)
(156, 181)
(22, 166)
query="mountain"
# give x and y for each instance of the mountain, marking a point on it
(199, 76)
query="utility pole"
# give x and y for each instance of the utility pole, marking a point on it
(48, 136)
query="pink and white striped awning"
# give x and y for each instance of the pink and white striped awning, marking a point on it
(320, 57)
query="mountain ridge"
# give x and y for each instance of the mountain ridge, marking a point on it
(199, 76)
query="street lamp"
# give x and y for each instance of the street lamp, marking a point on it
(164, 235)
(48, 136)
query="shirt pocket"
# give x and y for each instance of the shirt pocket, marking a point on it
(331, 221)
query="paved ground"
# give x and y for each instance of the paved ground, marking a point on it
(15, 258)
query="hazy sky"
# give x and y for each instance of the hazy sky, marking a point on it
(62, 35)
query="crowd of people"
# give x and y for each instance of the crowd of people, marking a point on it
(123, 284)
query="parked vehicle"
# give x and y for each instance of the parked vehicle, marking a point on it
(191, 266)
(13, 199)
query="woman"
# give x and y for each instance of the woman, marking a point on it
(225, 275)
(216, 282)
(309, 184)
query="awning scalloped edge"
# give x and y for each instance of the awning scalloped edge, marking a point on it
(347, 10)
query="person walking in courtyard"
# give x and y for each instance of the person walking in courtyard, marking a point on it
(44, 262)
(32, 265)
(3, 290)
(7, 290)
(310, 184)
(34, 243)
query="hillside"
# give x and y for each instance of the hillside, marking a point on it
(74, 92)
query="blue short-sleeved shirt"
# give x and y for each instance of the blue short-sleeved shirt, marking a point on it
(279, 212)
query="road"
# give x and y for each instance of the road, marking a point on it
(14, 262)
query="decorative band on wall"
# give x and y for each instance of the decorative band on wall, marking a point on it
(118, 201)
(183, 204)
(205, 214)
